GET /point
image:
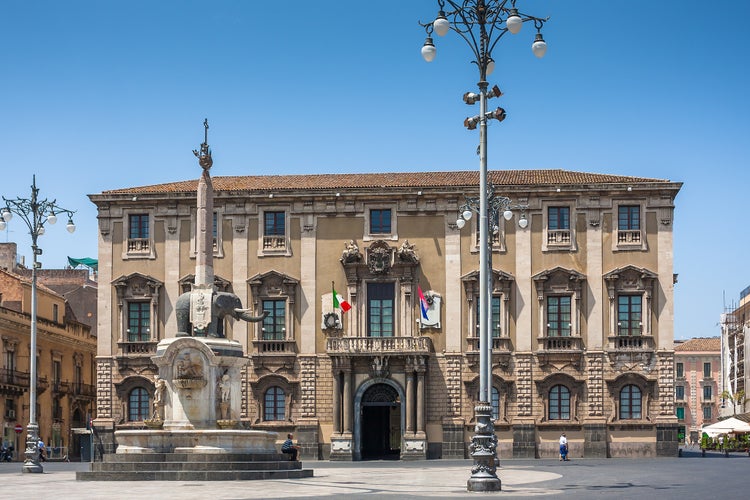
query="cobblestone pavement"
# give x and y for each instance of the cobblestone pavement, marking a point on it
(691, 476)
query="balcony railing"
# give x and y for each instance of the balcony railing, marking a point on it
(136, 348)
(632, 343)
(561, 343)
(85, 390)
(498, 344)
(271, 243)
(378, 345)
(139, 246)
(275, 346)
(14, 377)
(558, 237)
(628, 236)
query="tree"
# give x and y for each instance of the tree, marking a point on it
(738, 398)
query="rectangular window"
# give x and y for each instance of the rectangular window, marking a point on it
(629, 315)
(139, 322)
(380, 221)
(558, 217)
(707, 413)
(495, 315)
(558, 316)
(274, 325)
(680, 370)
(706, 370)
(380, 305)
(55, 372)
(138, 224)
(707, 391)
(629, 218)
(274, 230)
(55, 313)
(680, 413)
(679, 392)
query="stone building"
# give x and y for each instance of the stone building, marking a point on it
(66, 363)
(581, 308)
(697, 384)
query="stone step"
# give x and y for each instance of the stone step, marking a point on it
(188, 466)
(194, 475)
(194, 457)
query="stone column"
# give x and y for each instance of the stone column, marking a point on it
(348, 402)
(409, 401)
(420, 401)
(336, 401)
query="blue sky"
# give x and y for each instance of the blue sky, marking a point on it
(101, 94)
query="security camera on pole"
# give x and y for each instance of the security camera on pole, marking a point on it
(482, 23)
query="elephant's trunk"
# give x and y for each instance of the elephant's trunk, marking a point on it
(246, 315)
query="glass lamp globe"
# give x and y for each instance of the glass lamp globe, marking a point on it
(490, 66)
(441, 24)
(539, 47)
(70, 227)
(466, 214)
(523, 222)
(514, 23)
(507, 215)
(3, 224)
(52, 218)
(428, 50)
(460, 223)
(40, 231)
(7, 215)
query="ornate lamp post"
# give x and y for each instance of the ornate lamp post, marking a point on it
(35, 214)
(482, 23)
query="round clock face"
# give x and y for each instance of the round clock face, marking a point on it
(330, 320)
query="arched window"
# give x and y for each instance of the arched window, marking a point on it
(495, 399)
(630, 402)
(274, 404)
(559, 403)
(138, 404)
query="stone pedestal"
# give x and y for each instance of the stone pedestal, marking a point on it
(414, 447)
(341, 447)
(454, 445)
(667, 442)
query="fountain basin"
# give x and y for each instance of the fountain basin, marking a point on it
(196, 441)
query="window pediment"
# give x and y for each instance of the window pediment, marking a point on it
(273, 284)
(137, 285)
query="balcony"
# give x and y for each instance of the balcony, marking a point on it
(87, 391)
(274, 347)
(369, 346)
(61, 387)
(137, 348)
(631, 343)
(561, 344)
(13, 382)
(628, 236)
(274, 243)
(499, 344)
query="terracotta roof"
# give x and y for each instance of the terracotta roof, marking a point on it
(700, 344)
(389, 180)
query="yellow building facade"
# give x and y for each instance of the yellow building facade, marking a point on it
(581, 308)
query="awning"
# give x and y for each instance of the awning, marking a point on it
(84, 261)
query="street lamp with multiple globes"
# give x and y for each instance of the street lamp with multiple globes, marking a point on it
(482, 23)
(35, 213)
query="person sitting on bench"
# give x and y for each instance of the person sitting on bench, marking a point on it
(290, 448)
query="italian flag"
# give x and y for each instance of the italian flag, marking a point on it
(339, 302)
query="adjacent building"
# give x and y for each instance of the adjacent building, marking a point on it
(735, 324)
(697, 388)
(65, 359)
(581, 309)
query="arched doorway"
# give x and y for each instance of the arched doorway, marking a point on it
(380, 424)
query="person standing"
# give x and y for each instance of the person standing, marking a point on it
(563, 447)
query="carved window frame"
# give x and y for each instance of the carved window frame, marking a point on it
(549, 238)
(559, 282)
(497, 238)
(502, 283)
(133, 248)
(286, 249)
(133, 288)
(259, 389)
(631, 280)
(273, 285)
(624, 240)
(615, 389)
(576, 391)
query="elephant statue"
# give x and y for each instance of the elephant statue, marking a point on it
(222, 304)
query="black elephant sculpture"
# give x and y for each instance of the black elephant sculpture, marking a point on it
(223, 304)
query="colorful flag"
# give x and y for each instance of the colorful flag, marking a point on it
(339, 302)
(422, 302)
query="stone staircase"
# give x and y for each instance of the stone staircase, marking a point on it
(194, 467)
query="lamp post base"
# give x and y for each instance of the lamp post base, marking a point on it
(31, 464)
(483, 449)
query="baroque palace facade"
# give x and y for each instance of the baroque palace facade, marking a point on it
(581, 308)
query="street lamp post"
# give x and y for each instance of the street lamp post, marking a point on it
(482, 23)
(35, 214)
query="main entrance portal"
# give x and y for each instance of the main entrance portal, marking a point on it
(381, 423)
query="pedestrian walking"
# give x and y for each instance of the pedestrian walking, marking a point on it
(563, 447)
